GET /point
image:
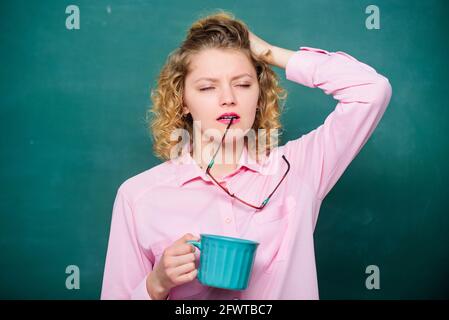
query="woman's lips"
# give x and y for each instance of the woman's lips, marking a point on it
(226, 121)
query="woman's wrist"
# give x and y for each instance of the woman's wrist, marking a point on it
(155, 289)
(279, 56)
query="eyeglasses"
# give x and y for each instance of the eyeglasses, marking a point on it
(264, 203)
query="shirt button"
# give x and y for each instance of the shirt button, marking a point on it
(228, 220)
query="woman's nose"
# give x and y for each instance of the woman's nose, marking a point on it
(227, 96)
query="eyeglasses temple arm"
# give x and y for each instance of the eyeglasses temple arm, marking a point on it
(264, 203)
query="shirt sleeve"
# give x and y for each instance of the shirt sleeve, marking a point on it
(321, 156)
(127, 265)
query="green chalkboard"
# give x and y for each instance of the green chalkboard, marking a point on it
(73, 103)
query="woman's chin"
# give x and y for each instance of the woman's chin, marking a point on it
(217, 133)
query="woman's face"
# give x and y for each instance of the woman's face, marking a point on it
(221, 81)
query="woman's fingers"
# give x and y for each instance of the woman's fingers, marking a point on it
(183, 273)
(175, 261)
(184, 268)
(260, 47)
(177, 265)
(180, 249)
(187, 277)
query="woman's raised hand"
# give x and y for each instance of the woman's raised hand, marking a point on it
(261, 48)
(271, 54)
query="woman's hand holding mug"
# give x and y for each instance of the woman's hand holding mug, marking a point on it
(176, 267)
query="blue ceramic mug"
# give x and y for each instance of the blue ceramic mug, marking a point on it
(225, 262)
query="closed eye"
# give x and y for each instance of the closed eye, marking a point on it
(239, 85)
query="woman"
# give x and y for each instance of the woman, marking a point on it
(219, 85)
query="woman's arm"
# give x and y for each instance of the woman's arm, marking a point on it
(127, 267)
(321, 156)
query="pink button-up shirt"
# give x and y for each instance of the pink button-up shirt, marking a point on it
(160, 205)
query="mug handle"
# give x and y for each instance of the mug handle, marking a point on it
(195, 243)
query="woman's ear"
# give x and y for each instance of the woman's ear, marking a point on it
(185, 111)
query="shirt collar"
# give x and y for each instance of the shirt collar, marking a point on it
(187, 169)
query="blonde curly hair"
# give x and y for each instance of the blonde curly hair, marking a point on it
(219, 31)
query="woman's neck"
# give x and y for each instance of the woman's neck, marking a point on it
(225, 162)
